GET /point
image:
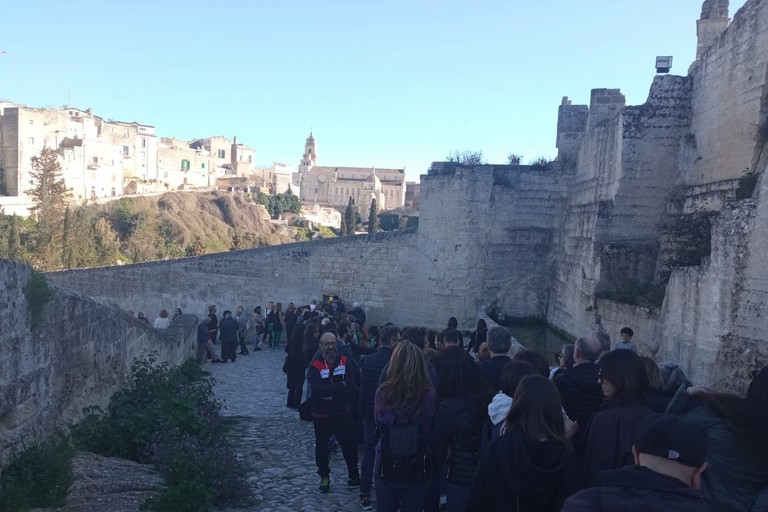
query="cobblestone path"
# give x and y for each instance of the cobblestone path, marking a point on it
(278, 444)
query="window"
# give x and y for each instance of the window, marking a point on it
(202, 166)
(250, 159)
(31, 122)
(126, 151)
(185, 165)
(143, 142)
(31, 140)
(114, 192)
(222, 153)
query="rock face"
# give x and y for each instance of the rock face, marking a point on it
(653, 217)
(76, 354)
(106, 483)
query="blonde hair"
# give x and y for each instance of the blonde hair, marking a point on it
(407, 378)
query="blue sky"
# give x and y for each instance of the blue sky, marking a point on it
(380, 83)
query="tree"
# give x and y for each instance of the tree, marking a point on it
(349, 218)
(466, 157)
(514, 159)
(49, 195)
(343, 227)
(373, 219)
(14, 242)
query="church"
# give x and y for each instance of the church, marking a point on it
(334, 186)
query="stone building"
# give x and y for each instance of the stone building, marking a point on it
(95, 155)
(334, 186)
(102, 159)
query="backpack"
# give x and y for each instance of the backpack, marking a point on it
(403, 453)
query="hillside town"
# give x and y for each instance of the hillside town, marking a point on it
(103, 159)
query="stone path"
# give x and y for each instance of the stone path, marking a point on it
(278, 444)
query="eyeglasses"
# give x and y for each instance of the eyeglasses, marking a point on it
(328, 345)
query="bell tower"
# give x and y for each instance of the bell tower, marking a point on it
(309, 159)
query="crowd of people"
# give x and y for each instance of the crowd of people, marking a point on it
(444, 426)
(426, 422)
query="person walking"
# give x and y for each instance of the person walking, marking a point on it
(332, 385)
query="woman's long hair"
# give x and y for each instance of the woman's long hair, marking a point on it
(407, 378)
(745, 418)
(309, 344)
(625, 370)
(295, 345)
(537, 410)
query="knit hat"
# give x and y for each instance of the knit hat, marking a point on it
(671, 438)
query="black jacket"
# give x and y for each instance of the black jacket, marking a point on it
(332, 385)
(456, 436)
(371, 367)
(519, 473)
(580, 392)
(491, 370)
(637, 489)
(228, 330)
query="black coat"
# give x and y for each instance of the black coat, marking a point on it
(580, 392)
(228, 330)
(456, 436)
(371, 367)
(491, 370)
(519, 473)
(637, 489)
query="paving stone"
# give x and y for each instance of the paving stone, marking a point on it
(279, 446)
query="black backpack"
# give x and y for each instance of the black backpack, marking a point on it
(403, 453)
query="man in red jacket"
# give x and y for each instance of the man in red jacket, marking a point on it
(332, 384)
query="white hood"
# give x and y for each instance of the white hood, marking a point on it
(499, 408)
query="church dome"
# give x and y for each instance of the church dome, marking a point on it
(310, 138)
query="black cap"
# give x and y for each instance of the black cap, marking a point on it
(670, 437)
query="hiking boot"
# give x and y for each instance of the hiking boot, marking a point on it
(365, 502)
(353, 483)
(325, 484)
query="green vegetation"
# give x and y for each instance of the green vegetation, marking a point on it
(466, 157)
(137, 229)
(38, 294)
(38, 476)
(49, 195)
(280, 203)
(541, 164)
(373, 220)
(350, 219)
(169, 417)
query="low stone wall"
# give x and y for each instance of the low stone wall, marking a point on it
(77, 355)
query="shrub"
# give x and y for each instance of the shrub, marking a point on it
(38, 293)
(38, 476)
(169, 417)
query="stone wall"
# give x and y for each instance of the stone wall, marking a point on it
(730, 99)
(78, 355)
(387, 272)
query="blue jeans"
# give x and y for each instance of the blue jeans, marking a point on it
(456, 497)
(369, 453)
(403, 496)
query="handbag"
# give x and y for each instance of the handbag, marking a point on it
(305, 410)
